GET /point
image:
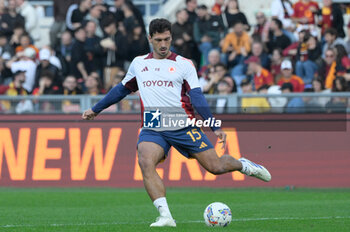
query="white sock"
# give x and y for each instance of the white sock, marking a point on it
(162, 207)
(245, 168)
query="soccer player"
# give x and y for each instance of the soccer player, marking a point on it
(169, 82)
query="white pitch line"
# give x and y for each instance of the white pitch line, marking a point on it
(198, 221)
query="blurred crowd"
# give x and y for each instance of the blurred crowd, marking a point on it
(299, 46)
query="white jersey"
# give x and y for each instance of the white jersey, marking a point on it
(163, 83)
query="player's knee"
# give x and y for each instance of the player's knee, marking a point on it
(144, 162)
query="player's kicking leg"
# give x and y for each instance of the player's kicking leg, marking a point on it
(149, 155)
(220, 165)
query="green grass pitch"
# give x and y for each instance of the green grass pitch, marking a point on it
(100, 209)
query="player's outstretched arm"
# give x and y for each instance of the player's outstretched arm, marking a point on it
(201, 105)
(112, 97)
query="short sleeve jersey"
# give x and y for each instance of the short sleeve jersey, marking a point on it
(163, 83)
(303, 10)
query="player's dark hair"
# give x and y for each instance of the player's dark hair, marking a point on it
(159, 26)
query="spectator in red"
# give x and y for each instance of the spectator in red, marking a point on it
(218, 5)
(342, 57)
(344, 60)
(331, 15)
(288, 77)
(305, 11)
(261, 76)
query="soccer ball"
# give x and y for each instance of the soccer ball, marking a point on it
(217, 214)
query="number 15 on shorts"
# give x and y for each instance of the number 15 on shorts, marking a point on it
(194, 134)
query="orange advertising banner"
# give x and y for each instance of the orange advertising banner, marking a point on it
(64, 151)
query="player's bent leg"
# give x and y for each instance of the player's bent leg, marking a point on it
(149, 155)
(215, 164)
(220, 165)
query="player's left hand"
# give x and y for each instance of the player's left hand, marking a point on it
(89, 115)
(222, 136)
